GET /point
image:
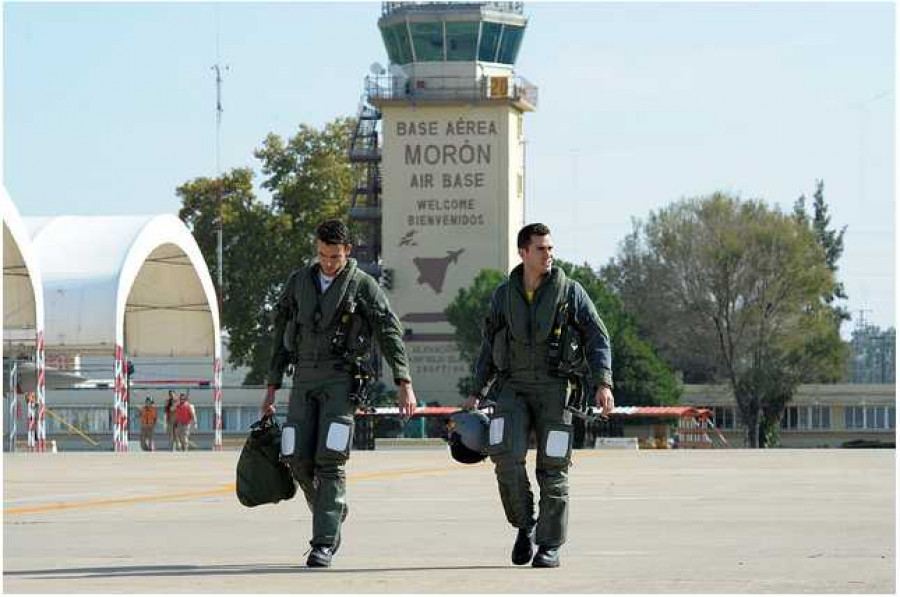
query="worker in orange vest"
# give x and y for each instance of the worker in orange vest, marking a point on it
(148, 424)
(185, 419)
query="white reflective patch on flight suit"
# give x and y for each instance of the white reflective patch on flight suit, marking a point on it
(338, 437)
(496, 433)
(288, 441)
(557, 444)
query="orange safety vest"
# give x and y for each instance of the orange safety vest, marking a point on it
(183, 414)
(148, 415)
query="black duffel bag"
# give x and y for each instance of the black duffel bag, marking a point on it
(262, 478)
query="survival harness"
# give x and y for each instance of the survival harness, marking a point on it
(567, 359)
(566, 356)
(351, 343)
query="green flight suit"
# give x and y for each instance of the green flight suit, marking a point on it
(318, 432)
(529, 397)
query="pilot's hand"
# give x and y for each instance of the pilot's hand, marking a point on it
(605, 401)
(471, 403)
(406, 399)
(267, 408)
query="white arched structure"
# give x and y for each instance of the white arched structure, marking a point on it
(128, 286)
(23, 314)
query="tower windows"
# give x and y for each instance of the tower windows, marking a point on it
(452, 41)
(461, 40)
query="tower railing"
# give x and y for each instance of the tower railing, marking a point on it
(388, 8)
(389, 87)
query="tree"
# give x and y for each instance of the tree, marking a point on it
(310, 179)
(252, 265)
(673, 340)
(466, 313)
(830, 240)
(639, 376)
(742, 278)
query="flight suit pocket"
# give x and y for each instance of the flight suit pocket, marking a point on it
(336, 439)
(555, 450)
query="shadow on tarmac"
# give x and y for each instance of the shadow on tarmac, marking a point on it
(217, 570)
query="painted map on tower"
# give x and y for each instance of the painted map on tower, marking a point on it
(433, 270)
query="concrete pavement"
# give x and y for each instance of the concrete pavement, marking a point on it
(729, 521)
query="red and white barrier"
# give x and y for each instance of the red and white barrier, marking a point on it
(120, 410)
(217, 403)
(40, 365)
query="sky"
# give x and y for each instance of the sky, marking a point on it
(108, 107)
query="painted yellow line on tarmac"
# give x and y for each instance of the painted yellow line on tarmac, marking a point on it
(118, 501)
(224, 489)
(404, 472)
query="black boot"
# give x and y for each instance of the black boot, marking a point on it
(546, 557)
(320, 556)
(522, 549)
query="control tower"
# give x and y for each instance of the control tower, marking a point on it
(452, 172)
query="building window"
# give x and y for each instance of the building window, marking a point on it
(853, 417)
(724, 416)
(86, 420)
(490, 35)
(461, 40)
(244, 417)
(789, 418)
(806, 418)
(874, 417)
(390, 43)
(204, 418)
(396, 40)
(821, 417)
(428, 41)
(869, 417)
(878, 417)
(509, 44)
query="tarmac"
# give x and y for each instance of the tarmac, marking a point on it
(683, 521)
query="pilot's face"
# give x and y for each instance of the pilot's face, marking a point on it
(332, 258)
(538, 255)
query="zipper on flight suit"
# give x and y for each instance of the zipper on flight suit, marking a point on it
(532, 323)
(317, 318)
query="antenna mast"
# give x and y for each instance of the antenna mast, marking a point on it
(219, 179)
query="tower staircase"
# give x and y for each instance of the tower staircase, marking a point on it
(365, 204)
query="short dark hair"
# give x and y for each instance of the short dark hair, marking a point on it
(525, 234)
(333, 232)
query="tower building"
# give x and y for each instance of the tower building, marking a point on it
(446, 179)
